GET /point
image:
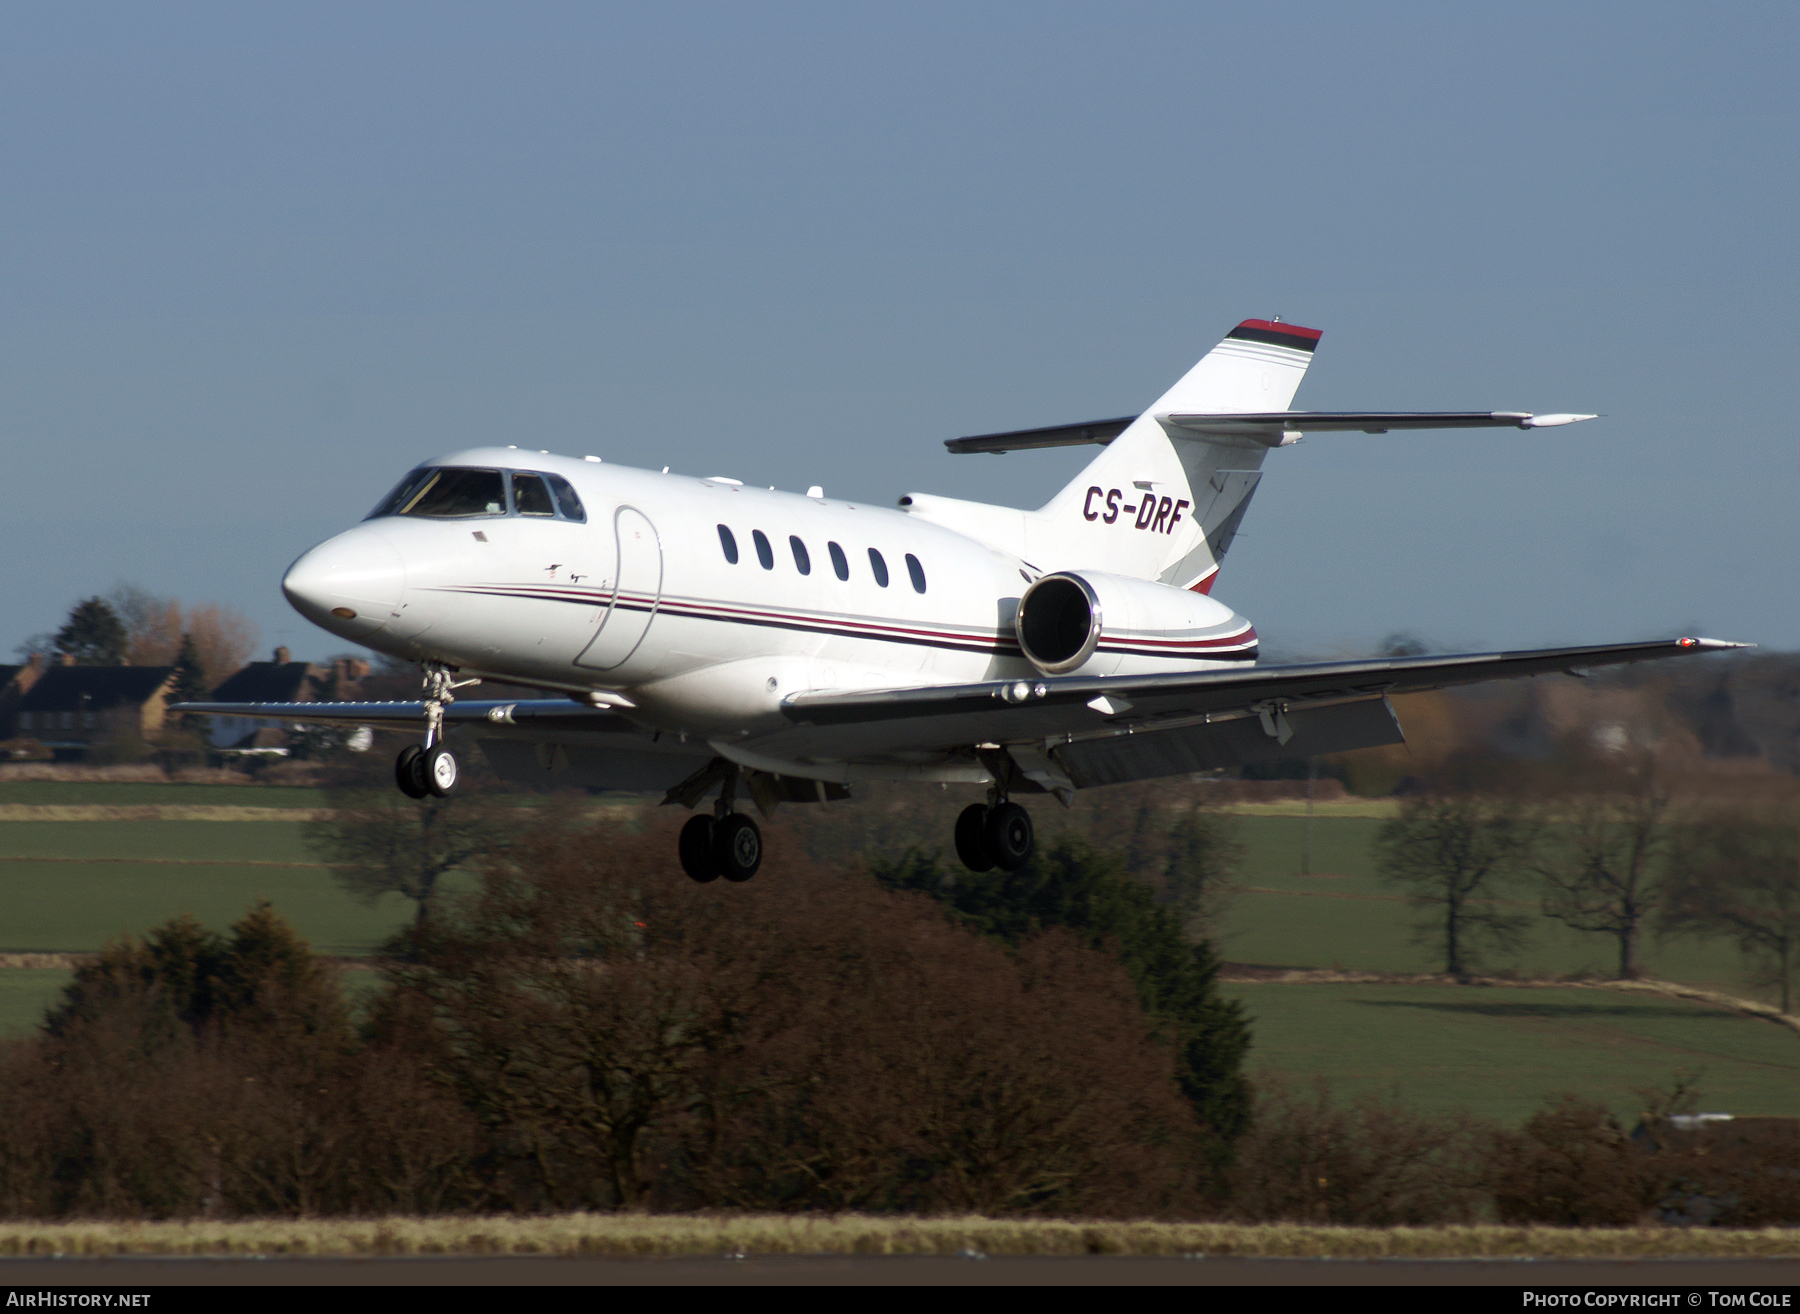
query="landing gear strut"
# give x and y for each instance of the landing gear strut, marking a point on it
(994, 834)
(430, 768)
(726, 844)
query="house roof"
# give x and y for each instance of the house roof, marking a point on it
(267, 682)
(94, 688)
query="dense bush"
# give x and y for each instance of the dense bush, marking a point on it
(1374, 1161)
(593, 1030)
(1072, 885)
(1572, 1164)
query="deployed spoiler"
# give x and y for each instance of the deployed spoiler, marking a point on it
(1271, 427)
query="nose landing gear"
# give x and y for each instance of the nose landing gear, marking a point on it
(726, 844)
(430, 768)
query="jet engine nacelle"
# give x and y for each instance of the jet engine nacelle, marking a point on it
(1090, 623)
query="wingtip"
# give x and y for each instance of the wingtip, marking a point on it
(1555, 420)
(1711, 645)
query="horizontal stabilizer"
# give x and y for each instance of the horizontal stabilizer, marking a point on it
(1060, 435)
(1264, 425)
(1269, 426)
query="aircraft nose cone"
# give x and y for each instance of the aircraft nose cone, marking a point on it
(351, 584)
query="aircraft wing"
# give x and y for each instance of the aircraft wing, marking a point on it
(1102, 730)
(550, 742)
(551, 715)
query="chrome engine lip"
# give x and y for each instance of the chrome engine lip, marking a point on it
(1080, 657)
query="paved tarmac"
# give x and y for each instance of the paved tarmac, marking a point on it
(878, 1270)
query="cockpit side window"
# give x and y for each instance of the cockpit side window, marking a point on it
(404, 492)
(449, 491)
(566, 501)
(530, 497)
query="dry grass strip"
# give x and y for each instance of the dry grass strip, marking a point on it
(1245, 974)
(631, 1235)
(151, 812)
(1380, 808)
(164, 862)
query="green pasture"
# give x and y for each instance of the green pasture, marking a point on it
(1498, 1051)
(71, 886)
(1342, 916)
(25, 992)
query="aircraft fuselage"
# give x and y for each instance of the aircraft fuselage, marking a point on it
(642, 596)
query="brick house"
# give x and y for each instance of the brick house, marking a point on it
(71, 710)
(281, 680)
(15, 683)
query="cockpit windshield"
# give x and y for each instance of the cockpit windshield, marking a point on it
(448, 491)
(444, 491)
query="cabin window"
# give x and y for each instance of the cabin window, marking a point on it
(839, 563)
(879, 566)
(449, 491)
(802, 562)
(764, 553)
(530, 496)
(728, 542)
(24, 720)
(914, 569)
(566, 500)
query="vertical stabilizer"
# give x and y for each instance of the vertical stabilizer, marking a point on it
(1164, 504)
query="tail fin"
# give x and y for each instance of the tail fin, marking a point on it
(1163, 502)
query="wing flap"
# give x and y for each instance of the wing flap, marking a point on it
(1121, 755)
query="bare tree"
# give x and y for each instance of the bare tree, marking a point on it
(1737, 874)
(152, 625)
(224, 637)
(380, 842)
(1603, 875)
(1452, 853)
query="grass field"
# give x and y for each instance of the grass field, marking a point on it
(1498, 1052)
(69, 886)
(25, 992)
(1343, 916)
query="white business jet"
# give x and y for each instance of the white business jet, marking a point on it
(707, 638)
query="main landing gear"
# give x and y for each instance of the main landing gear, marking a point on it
(430, 768)
(726, 844)
(994, 834)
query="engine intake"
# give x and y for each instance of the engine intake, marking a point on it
(1058, 623)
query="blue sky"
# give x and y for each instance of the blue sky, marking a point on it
(256, 261)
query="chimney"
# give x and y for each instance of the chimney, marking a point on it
(283, 657)
(65, 659)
